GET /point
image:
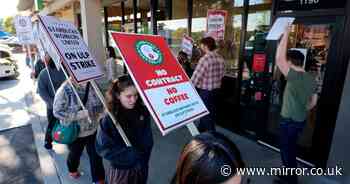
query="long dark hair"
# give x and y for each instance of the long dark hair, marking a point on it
(204, 156)
(111, 52)
(118, 86)
(51, 64)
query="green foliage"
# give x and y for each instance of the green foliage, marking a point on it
(8, 25)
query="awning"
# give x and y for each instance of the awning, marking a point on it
(25, 5)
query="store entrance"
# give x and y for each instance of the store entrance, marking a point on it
(261, 98)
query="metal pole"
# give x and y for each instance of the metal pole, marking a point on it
(189, 18)
(242, 48)
(154, 7)
(105, 10)
(122, 6)
(193, 129)
(134, 6)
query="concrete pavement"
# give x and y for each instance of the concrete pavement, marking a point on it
(164, 156)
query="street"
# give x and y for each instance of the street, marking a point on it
(18, 154)
(14, 95)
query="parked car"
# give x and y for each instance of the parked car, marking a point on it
(8, 65)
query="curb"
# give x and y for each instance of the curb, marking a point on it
(48, 165)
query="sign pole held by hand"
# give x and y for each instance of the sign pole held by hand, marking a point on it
(75, 55)
(193, 129)
(119, 128)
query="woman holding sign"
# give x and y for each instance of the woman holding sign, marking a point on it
(127, 165)
(67, 109)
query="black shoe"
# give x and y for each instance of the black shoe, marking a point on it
(48, 145)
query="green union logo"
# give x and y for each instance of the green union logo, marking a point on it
(149, 52)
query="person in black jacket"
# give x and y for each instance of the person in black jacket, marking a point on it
(49, 80)
(126, 165)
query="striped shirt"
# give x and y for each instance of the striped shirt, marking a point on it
(209, 72)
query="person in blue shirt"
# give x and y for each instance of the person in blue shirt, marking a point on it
(126, 164)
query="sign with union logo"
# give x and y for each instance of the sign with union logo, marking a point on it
(72, 49)
(163, 85)
(24, 31)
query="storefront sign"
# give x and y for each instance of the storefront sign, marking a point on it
(259, 61)
(24, 30)
(72, 49)
(284, 5)
(187, 45)
(160, 80)
(216, 24)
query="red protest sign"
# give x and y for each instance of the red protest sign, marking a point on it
(162, 83)
(216, 20)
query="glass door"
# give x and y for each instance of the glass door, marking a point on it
(313, 38)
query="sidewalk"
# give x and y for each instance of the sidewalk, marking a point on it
(164, 156)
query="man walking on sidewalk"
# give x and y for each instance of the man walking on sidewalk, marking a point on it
(49, 80)
(298, 98)
(207, 79)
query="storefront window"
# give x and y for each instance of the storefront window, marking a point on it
(172, 22)
(257, 66)
(257, 2)
(228, 47)
(313, 40)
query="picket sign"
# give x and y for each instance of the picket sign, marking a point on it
(23, 25)
(161, 82)
(83, 49)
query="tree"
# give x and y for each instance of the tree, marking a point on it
(8, 25)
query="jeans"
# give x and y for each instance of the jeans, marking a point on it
(51, 119)
(289, 132)
(207, 123)
(75, 151)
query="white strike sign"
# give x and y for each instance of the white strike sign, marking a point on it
(279, 27)
(187, 45)
(48, 46)
(73, 50)
(23, 27)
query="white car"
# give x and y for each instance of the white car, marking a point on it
(8, 66)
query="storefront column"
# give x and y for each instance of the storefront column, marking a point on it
(122, 5)
(242, 47)
(134, 7)
(105, 10)
(189, 19)
(340, 149)
(154, 7)
(92, 28)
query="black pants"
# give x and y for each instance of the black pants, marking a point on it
(207, 123)
(50, 124)
(75, 151)
(289, 133)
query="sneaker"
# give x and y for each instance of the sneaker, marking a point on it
(48, 145)
(74, 175)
